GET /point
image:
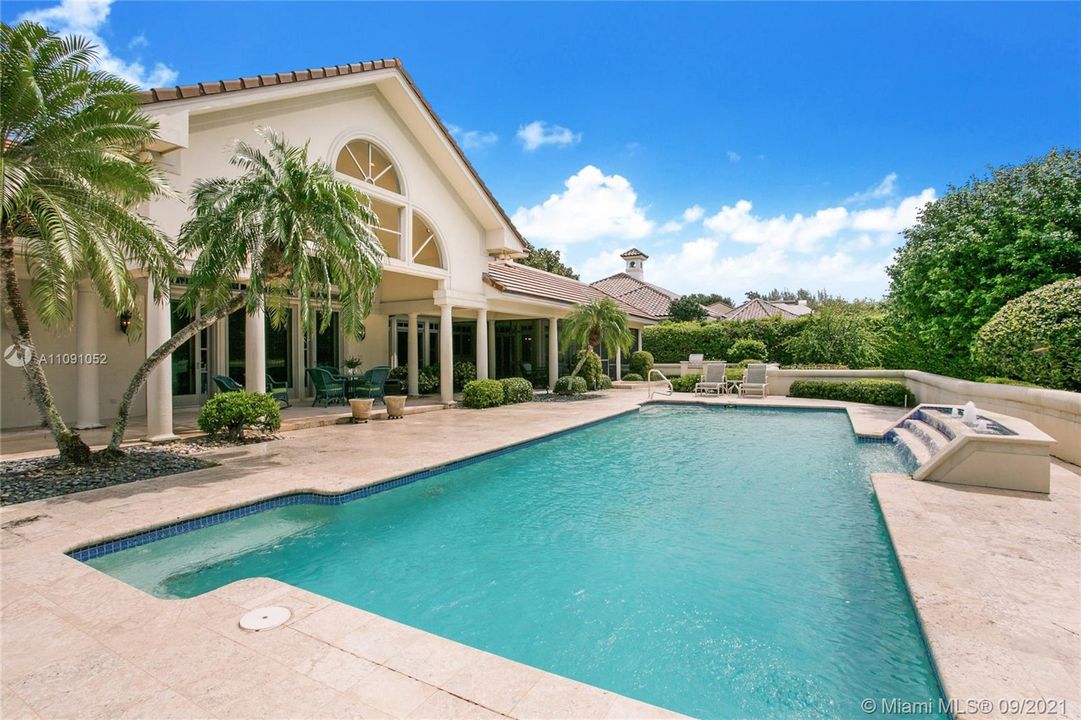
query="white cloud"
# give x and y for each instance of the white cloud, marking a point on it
(139, 41)
(886, 188)
(694, 213)
(670, 227)
(733, 156)
(538, 133)
(86, 18)
(472, 139)
(593, 206)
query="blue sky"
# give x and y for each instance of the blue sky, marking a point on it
(742, 146)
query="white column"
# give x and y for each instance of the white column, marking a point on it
(553, 352)
(393, 341)
(492, 372)
(427, 349)
(255, 351)
(159, 385)
(619, 363)
(482, 344)
(86, 344)
(446, 354)
(414, 371)
(640, 338)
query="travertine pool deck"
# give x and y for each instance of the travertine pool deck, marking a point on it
(78, 643)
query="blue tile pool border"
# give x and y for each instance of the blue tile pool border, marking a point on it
(107, 547)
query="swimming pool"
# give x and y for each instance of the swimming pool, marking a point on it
(722, 563)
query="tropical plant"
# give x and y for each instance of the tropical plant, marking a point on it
(548, 260)
(298, 233)
(72, 173)
(978, 247)
(228, 413)
(589, 325)
(1035, 338)
(483, 394)
(685, 309)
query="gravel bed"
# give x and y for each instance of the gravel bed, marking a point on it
(43, 477)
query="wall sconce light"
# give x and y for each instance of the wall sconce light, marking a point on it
(125, 322)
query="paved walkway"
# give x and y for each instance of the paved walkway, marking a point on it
(76, 642)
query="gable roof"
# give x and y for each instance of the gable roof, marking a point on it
(758, 308)
(233, 85)
(510, 277)
(647, 297)
(794, 308)
(719, 309)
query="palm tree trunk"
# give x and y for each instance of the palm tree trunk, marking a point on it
(70, 445)
(581, 362)
(166, 349)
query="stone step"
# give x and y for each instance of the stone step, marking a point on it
(910, 442)
(928, 434)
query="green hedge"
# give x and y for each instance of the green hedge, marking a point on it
(873, 392)
(516, 390)
(632, 377)
(228, 413)
(482, 394)
(747, 349)
(671, 342)
(641, 362)
(568, 385)
(1035, 338)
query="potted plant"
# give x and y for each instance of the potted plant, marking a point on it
(352, 364)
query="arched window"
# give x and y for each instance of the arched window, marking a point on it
(425, 247)
(361, 160)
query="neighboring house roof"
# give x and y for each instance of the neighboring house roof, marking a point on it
(232, 85)
(634, 252)
(510, 277)
(719, 309)
(757, 309)
(644, 296)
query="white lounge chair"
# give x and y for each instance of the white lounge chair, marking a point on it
(754, 381)
(713, 379)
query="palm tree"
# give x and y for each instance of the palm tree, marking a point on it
(296, 232)
(72, 174)
(593, 324)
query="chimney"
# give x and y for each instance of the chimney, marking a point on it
(635, 259)
(803, 303)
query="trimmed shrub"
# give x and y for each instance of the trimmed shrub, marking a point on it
(1035, 338)
(228, 413)
(685, 383)
(568, 385)
(516, 390)
(604, 383)
(1007, 381)
(873, 392)
(464, 372)
(672, 342)
(632, 377)
(641, 362)
(482, 394)
(591, 368)
(746, 349)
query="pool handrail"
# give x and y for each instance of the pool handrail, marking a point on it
(649, 379)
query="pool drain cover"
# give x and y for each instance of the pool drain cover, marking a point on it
(265, 618)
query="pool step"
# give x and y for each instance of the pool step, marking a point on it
(910, 442)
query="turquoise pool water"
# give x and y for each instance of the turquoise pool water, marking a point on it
(722, 563)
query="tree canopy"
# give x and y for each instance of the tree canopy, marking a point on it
(710, 299)
(978, 247)
(686, 309)
(549, 260)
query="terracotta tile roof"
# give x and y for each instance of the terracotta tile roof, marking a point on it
(647, 297)
(794, 308)
(634, 252)
(757, 309)
(510, 277)
(221, 87)
(719, 309)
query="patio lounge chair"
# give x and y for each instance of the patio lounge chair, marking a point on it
(227, 384)
(327, 387)
(713, 379)
(370, 384)
(754, 380)
(279, 389)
